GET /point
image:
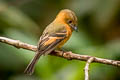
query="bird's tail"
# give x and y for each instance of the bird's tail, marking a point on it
(30, 68)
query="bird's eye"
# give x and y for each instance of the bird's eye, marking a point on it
(70, 21)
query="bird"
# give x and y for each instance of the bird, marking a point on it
(55, 35)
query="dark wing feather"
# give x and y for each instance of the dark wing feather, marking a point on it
(54, 40)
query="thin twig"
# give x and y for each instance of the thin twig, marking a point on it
(86, 69)
(66, 55)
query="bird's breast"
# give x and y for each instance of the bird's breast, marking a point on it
(68, 34)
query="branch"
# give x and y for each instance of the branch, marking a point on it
(66, 55)
(86, 69)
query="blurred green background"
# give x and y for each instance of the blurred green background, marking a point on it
(99, 35)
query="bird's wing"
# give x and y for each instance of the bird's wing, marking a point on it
(48, 42)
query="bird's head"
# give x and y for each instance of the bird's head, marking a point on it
(68, 17)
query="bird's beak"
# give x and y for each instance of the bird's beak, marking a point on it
(74, 28)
